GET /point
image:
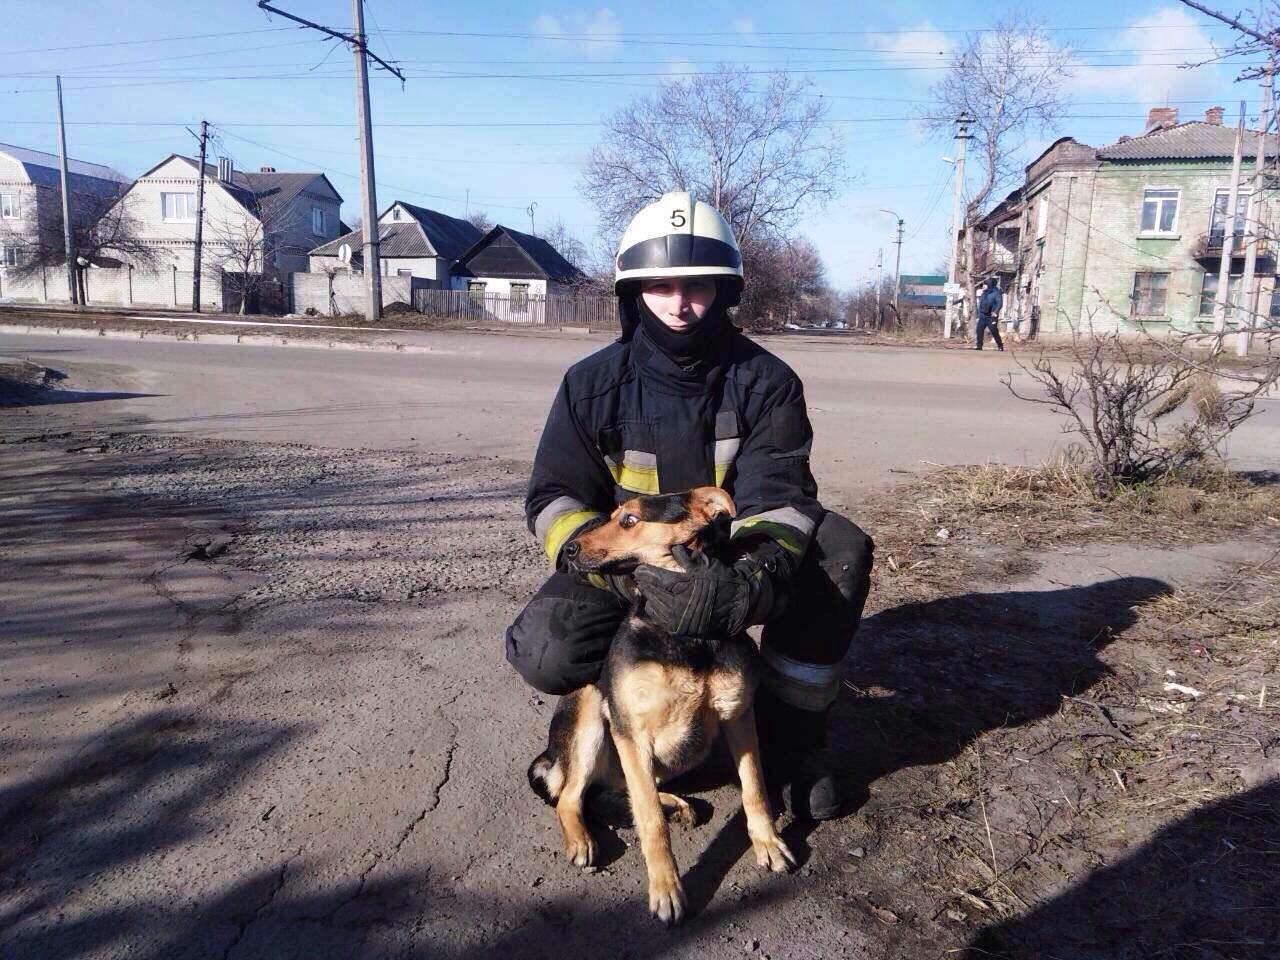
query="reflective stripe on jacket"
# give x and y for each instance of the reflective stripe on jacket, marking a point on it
(627, 420)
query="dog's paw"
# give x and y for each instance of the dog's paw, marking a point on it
(772, 854)
(678, 810)
(667, 900)
(581, 851)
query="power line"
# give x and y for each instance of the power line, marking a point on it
(128, 43)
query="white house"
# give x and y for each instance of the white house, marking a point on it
(412, 242)
(31, 206)
(278, 215)
(506, 262)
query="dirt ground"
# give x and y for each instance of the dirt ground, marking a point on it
(252, 704)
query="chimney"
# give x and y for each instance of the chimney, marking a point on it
(1158, 118)
(1214, 116)
(224, 169)
(266, 169)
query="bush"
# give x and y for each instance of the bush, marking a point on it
(1147, 409)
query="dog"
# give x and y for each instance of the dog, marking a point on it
(659, 702)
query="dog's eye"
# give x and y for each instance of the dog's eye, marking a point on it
(628, 521)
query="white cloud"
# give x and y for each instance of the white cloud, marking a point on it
(1151, 76)
(596, 34)
(742, 25)
(923, 42)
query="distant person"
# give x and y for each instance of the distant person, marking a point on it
(989, 306)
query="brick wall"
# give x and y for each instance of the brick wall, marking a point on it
(311, 290)
(120, 287)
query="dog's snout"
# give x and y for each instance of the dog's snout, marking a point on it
(571, 550)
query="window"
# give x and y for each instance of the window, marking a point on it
(1274, 313)
(475, 288)
(10, 257)
(395, 214)
(404, 273)
(1209, 293)
(1159, 211)
(1217, 222)
(317, 221)
(8, 206)
(178, 206)
(1042, 218)
(1150, 293)
(519, 297)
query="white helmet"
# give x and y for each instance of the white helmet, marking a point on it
(679, 237)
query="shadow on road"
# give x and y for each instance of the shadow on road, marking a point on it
(1204, 887)
(932, 677)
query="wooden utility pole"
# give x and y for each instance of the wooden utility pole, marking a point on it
(1256, 224)
(199, 246)
(1228, 235)
(67, 251)
(962, 135)
(368, 191)
(897, 264)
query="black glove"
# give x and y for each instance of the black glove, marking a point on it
(708, 595)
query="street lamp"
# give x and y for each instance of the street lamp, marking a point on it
(897, 266)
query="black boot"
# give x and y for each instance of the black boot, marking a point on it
(792, 743)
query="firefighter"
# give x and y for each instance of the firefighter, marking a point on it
(684, 399)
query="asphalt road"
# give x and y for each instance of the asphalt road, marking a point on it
(875, 410)
(309, 746)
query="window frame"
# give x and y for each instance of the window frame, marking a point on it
(1160, 202)
(1234, 282)
(9, 256)
(318, 221)
(1241, 219)
(1135, 296)
(189, 203)
(519, 296)
(12, 200)
(1042, 218)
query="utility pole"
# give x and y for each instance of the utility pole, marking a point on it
(897, 265)
(360, 48)
(1256, 224)
(962, 135)
(67, 252)
(1228, 238)
(879, 286)
(199, 246)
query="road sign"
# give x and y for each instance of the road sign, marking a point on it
(952, 289)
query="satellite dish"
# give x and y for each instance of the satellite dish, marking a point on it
(344, 252)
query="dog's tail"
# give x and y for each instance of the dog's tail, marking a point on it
(546, 776)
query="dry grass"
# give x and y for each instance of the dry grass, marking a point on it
(957, 522)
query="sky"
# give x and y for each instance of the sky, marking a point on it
(503, 100)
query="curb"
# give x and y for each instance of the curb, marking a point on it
(248, 339)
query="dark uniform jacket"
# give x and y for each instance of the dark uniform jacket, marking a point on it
(990, 303)
(628, 420)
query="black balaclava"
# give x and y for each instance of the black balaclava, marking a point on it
(699, 342)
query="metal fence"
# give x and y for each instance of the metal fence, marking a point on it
(554, 310)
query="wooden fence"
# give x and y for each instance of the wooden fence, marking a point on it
(553, 310)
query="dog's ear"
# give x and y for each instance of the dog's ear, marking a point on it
(705, 504)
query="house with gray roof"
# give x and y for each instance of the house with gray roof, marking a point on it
(412, 242)
(279, 216)
(507, 262)
(1131, 235)
(31, 201)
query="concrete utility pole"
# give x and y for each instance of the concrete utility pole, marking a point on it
(199, 245)
(897, 265)
(879, 286)
(360, 48)
(67, 252)
(1228, 236)
(962, 135)
(1256, 224)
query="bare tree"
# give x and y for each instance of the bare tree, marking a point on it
(761, 154)
(104, 227)
(480, 220)
(1010, 82)
(787, 284)
(241, 246)
(566, 244)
